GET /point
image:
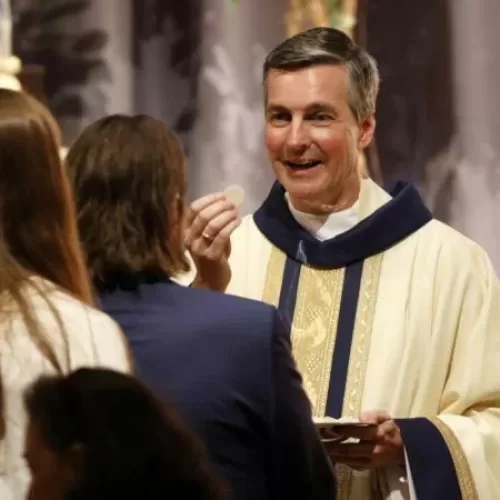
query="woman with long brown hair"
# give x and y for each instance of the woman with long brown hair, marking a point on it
(47, 322)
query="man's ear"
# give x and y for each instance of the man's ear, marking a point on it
(366, 131)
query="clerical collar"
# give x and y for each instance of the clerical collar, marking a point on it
(325, 227)
(384, 220)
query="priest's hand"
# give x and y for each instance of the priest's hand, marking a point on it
(210, 222)
(379, 446)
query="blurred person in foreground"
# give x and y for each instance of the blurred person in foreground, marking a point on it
(99, 434)
(395, 315)
(225, 362)
(47, 322)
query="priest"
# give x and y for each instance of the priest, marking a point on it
(395, 316)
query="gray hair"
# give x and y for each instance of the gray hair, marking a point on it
(323, 46)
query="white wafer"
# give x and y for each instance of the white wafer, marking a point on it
(235, 193)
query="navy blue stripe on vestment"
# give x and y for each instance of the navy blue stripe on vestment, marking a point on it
(289, 287)
(432, 469)
(343, 342)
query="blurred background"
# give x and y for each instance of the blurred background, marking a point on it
(196, 64)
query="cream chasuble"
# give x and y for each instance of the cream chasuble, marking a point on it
(399, 313)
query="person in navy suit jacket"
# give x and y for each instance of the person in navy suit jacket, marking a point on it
(224, 361)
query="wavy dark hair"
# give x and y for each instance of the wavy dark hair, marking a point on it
(129, 178)
(134, 446)
(38, 230)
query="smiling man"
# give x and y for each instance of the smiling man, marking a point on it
(395, 316)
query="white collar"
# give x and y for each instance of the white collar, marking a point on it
(326, 227)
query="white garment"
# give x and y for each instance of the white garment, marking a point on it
(93, 339)
(327, 226)
(323, 228)
(426, 340)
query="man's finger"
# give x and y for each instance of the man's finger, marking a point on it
(351, 450)
(202, 203)
(387, 430)
(215, 236)
(198, 247)
(206, 221)
(375, 416)
(216, 225)
(218, 247)
(354, 431)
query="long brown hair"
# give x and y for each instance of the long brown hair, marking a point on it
(129, 180)
(38, 230)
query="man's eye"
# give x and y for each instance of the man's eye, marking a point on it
(279, 117)
(321, 117)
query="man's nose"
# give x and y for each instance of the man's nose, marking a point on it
(298, 137)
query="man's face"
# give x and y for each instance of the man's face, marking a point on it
(312, 137)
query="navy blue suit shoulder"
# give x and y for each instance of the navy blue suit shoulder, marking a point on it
(226, 363)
